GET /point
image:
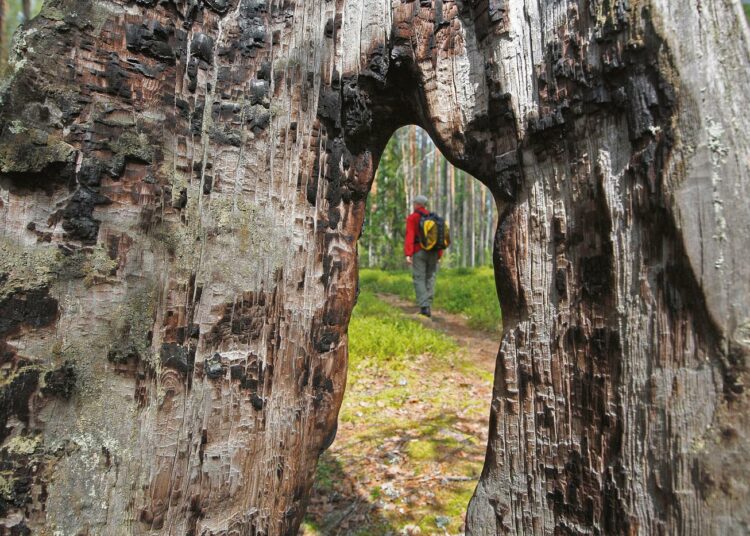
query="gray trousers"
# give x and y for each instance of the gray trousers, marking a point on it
(424, 272)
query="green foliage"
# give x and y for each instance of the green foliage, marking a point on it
(467, 291)
(746, 7)
(381, 333)
(383, 233)
(398, 283)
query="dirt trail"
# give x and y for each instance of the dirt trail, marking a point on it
(482, 346)
(411, 440)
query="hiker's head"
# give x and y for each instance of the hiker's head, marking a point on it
(420, 202)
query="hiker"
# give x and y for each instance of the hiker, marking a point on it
(426, 237)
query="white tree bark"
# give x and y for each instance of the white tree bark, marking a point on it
(183, 185)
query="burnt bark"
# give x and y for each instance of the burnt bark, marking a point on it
(182, 188)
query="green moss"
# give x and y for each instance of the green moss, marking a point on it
(6, 485)
(132, 323)
(133, 145)
(26, 267)
(80, 14)
(17, 127)
(22, 445)
(52, 12)
(29, 150)
(237, 225)
(275, 110)
(98, 265)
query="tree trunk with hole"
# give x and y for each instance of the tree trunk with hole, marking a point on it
(183, 185)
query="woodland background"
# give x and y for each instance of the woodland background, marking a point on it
(411, 165)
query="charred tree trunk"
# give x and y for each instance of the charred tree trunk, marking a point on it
(183, 185)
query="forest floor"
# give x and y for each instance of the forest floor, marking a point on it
(413, 426)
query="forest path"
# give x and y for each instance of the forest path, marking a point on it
(481, 345)
(412, 437)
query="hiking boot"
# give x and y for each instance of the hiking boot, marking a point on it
(425, 311)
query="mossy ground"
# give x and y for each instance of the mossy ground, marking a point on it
(412, 428)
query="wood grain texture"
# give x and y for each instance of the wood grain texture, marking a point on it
(183, 186)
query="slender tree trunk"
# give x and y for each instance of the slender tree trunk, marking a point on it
(424, 164)
(371, 260)
(444, 192)
(405, 163)
(414, 179)
(183, 185)
(3, 40)
(451, 201)
(465, 232)
(474, 221)
(490, 225)
(26, 6)
(483, 227)
(436, 193)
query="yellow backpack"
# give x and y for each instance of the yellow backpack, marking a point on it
(433, 232)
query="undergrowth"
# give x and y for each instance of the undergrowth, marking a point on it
(414, 412)
(467, 291)
(383, 336)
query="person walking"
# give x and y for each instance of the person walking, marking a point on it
(424, 264)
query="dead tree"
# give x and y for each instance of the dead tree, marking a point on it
(183, 186)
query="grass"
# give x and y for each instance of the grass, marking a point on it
(381, 333)
(411, 406)
(385, 342)
(467, 291)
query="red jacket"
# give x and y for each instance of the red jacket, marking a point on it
(411, 242)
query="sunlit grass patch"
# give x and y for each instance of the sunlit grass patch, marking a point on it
(379, 332)
(310, 528)
(426, 450)
(467, 291)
